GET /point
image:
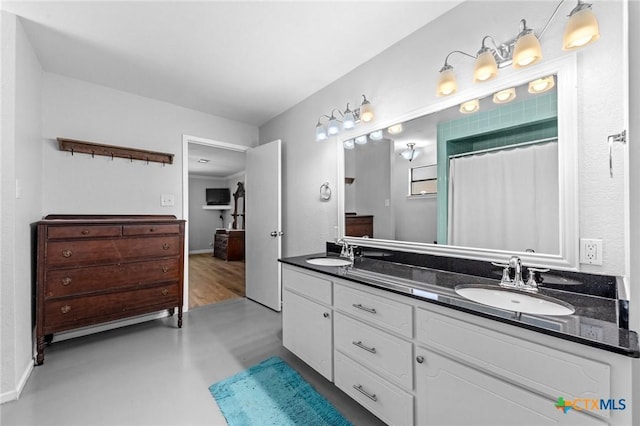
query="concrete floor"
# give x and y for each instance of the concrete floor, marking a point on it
(155, 374)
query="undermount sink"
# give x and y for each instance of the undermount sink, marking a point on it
(514, 300)
(329, 261)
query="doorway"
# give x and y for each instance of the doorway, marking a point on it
(213, 191)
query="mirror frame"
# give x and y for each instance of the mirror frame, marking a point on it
(565, 69)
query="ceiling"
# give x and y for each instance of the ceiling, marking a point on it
(245, 61)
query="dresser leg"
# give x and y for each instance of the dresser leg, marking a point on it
(180, 317)
(40, 345)
(48, 339)
(172, 311)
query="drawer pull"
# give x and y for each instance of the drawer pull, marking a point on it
(165, 268)
(326, 315)
(166, 246)
(66, 253)
(372, 397)
(65, 309)
(165, 291)
(85, 232)
(366, 348)
(364, 308)
(152, 229)
(420, 359)
(66, 281)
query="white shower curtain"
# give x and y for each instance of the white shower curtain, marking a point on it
(506, 199)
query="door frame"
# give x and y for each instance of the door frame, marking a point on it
(186, 140)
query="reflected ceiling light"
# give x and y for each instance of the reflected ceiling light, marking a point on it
(470, 106)
(349, 118)
(542, 84)
(504, 96)
(376, 135)
(395, 129)
(410, 153)
(203, 160)
(523, 50)
(361, 140)
(582, 27)
(348, 144)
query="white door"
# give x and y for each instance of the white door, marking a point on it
(263, 224)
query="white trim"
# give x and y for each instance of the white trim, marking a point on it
(566, 70)
(14, 394)
(201, 251)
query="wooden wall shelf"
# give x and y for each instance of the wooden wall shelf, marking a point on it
(91, 148)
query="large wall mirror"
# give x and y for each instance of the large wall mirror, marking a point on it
(488, 173)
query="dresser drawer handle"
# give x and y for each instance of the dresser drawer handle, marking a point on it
(66, 253)
(366, 348)
(165, 268)
(419, 359)
(166, 246)
(372, 397)
(65, 309)
(165, 291)
(152, 229)
(364, 308)
(85, 232)
(66, 281)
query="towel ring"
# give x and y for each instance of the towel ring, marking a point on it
(325, 192)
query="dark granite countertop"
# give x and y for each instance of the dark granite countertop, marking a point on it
(596, 316)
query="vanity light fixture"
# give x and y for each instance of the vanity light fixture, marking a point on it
(203, 160)
(349, 118)
(410, 153)
(395, 129)
(541, 84)
(348, 144)
(361, 140)
(504, 96)
(523, 50)
(376, 135)
(470, 106)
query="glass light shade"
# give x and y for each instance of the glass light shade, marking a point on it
(321, 132)
(348, 144)
(333, 128)
(581, 29)
(447, 83)
(361, 140)
(527, 50)
(395, 129)
(348, 120)
(504, 96)
(366, 112)
(485, 68)
(542, 84)
(410, 153)
(376, 136)
(470, 106)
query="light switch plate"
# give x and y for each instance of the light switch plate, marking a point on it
(591, 251)
(167, 200)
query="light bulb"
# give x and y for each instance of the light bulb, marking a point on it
(395, 129)
(485, 67)
(447, 82)
(470, 106)
(361, 140)
(581, 29)
(527, 50)
(376, 135)
(348, 144)
(348, 119)
(542, 84)
(366, 110)
(504, 96)
(321, 132)
(332, 127)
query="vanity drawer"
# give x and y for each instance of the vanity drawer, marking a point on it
(388, 402)
(307, 285)
(84, 231)
(65, 282)
(384, 353)
(503, 355)
(150, 229)
(377, 310)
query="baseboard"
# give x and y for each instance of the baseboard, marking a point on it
(201, 251)
(14, 394)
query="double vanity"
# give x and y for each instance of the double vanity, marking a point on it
(424, 339)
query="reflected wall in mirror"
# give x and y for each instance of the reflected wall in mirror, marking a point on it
(481, 179)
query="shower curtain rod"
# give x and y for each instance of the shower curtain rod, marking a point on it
(502, 148)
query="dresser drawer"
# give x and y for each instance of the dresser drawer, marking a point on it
(65, 282)
(378, 310)
(84, 231)
(391, 404)
(78, 253)
(382, 352)
(307, 285)
(150, 229)
(78, 311)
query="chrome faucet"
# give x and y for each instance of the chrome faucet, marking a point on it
(347, 249)
(515, 263)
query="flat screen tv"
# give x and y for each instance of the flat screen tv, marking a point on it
(218, 196)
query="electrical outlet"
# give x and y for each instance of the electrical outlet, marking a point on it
(167, 200)
(592, 332)
(591, 251)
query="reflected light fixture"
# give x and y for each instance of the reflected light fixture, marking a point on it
(349, 118)
(395, 129)
(361, 140)
(410, 153)
(470, 106)
(504, 96)
(348, 144)
(541, 84)
(523, 50)
(203, 160)
(376, 135)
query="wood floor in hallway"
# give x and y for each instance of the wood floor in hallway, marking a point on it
(213, 280)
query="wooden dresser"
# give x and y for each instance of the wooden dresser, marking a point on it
(92, 269)
(229, 244)
(358, 225)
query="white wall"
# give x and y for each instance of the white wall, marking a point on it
(21, 202)
(203, 223)
(403, 79)
(81, 184)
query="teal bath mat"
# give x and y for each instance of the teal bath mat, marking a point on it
(272, 393)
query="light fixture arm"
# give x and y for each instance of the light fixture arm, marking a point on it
(580, 6)
(446, 60)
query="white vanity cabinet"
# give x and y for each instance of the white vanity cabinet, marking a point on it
(307, 318)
